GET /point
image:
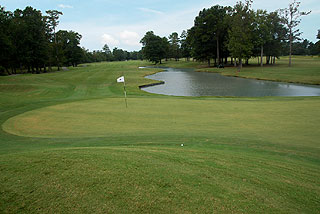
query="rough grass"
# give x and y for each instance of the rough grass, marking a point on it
(220, 178)
(304, 70)
(69, 145)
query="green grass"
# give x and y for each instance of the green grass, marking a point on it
(69, 145)
(304, 70)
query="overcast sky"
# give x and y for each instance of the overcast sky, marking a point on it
(122, 23)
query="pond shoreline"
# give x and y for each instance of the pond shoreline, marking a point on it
(257, 78)
(231, 75)
(179, 84)
(151, 84)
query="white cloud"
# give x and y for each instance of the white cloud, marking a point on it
(110, 40)
(147, 10)
(127, 36)
(65, 6)
(130, 38)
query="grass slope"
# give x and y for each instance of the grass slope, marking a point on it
(304, 70)
(69, 145)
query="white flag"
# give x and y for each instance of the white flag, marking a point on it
(120, 79)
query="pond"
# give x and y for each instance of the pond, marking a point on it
(187, 82)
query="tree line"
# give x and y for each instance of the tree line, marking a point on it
(106, 54)
(220, 35)
(29, 43)
(237, 33)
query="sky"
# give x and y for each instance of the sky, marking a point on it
(122, 23)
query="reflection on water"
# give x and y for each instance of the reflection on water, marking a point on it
(187, 82)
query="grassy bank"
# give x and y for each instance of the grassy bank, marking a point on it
(305, 69)
(69, 145)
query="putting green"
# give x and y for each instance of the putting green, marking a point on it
(265, 119)
(109, 117)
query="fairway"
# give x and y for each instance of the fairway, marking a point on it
(68, 144)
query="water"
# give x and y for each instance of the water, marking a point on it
(187, 82)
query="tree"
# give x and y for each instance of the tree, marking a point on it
(202, 37)
(69, 51)
(318, 43)
(174, 49)
(87, 56)
(207, 39)
(301, 48)
(107, 51)
(35, 41)
(165, 49)
(134, 55)
(240, 42)
(262, 31)
(313, 49)
(28, 40)
(292, 18)
(19, 34)
(154, 47)
(219, 20)
(119, 54)
(5, 40)
(52, 24)
(274, 47)
(185, 45)
(23, 40)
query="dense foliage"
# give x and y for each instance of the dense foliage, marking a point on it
(237, 33)
(154, 48)
(107, 55)
(29, 42)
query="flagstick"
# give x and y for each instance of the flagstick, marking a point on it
(125, 93)
(122, 79)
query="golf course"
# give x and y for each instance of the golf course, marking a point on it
(68, 144)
